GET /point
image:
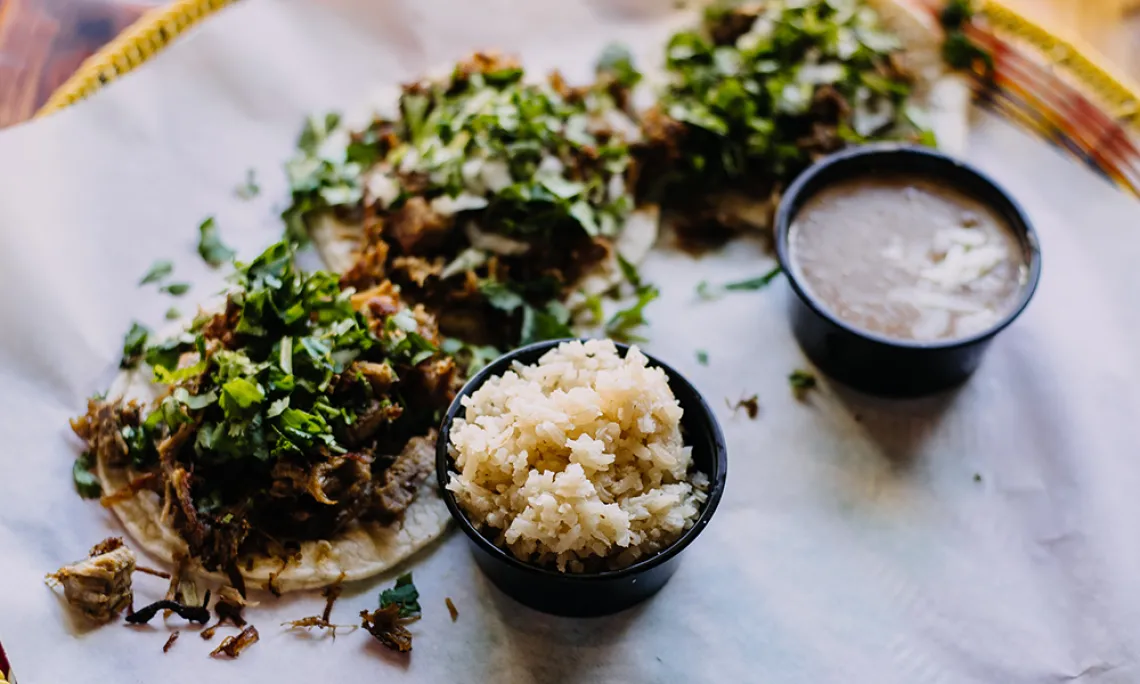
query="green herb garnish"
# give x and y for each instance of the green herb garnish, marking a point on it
(404, 595)
(86, 482)
(173, 314)
(210, 245)
(760, 90)
(801, 382)
(702, 357)
(175, 289)
(249, 189)
(707, 291)
(134, 344)
(158, 271)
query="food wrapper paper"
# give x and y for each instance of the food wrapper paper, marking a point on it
(984, 535)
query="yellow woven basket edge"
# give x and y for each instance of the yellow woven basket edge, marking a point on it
(157, 28)
(1115, 90)
(142, 40)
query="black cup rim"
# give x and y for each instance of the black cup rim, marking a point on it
(951, 171)
(500, 365)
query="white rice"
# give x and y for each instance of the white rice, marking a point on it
(577, 458)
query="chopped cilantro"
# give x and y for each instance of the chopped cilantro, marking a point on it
(210, 245)
(622, 324)
(158, 270)
(249, 189)
(977, 477)
(762, 88)
(702, 357)
(86, 482)
(470, 357)
(175, 289)
(134, 344)
(801, 382)
(707, 291)
(617, 63)
(404, 595)
(173, 314)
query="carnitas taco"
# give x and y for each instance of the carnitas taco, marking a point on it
(760, 90)
(285, 440)
(488, 198)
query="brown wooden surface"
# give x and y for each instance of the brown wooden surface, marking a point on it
(42, 42)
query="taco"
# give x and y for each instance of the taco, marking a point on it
(285, 440)
(485, 197)
(760, 90)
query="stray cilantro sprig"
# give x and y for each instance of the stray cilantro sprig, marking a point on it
(210, 246)
(158, 271)
(707, 291)
(249, 189)
(802, 382)
(175, 289)
(404, 594)
(86, 482)
(134, 344)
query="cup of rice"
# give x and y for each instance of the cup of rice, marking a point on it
(579, 470)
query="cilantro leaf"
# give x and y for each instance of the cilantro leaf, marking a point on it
(622, 324)
(157, 271)
(210, 245)
(617, 62)
(86, 482)
(172, 314)
(551, 323)
(500, 296)
(801, 382)
(134, 344)
(404, 594)
(707, 291)
(175, 289)
(249, 189)
(702, 357)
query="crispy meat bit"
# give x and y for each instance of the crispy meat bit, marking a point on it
(369, 267)
(484, 63)
(452, 609)
(230, 605)
(403, 478)
(417, 269)
(416, 227)
(388, 627)
(379, 375)
(221, 326)
(101, 428)
(137, 484)
(233, 646)
(733, 24)
(100, 585)
(170, 642)
(377, 414)
(750, 405)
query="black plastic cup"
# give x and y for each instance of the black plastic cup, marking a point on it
(594, 593)
(874, 363)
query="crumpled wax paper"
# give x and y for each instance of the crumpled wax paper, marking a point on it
(986, 535)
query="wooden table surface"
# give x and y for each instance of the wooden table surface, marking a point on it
(42, 42)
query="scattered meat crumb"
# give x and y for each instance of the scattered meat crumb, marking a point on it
(451, 609)
(170, 641)
(151, 571)
(233, 646)
(751, 406)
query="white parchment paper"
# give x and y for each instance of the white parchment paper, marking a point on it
(988, 535)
